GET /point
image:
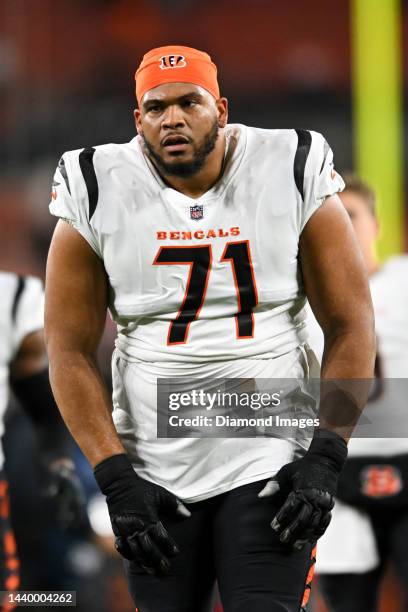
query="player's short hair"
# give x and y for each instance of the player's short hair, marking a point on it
(356, 185)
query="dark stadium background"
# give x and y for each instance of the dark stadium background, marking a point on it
(66, 81)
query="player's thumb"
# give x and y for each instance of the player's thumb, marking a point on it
(182, 510)
(173, 504)
(271, 487)
(281, 481)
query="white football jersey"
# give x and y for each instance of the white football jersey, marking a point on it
(389, 291)
(215, 278)
(21, 313)
(206, 287)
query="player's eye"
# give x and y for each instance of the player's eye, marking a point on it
(189, 103)
(154, 108)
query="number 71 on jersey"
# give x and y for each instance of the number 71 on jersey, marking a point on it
(199, 258)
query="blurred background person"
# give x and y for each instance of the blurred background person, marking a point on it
(370, 522)
(56, 548)
(23, 364)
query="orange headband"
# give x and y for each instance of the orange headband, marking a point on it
(176, 64)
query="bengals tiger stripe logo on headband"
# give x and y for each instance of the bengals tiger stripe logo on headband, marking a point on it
(172, 61)
(155, 69)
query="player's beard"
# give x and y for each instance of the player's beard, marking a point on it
(185, 168)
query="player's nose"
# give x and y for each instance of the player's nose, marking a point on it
(173, 117)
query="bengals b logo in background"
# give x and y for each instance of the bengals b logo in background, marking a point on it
(381, 481)
(172, 61)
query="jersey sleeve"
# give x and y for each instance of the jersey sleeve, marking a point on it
(70, 197)
(28, 315)
(315, 337)
(320, 178)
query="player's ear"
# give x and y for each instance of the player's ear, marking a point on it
(137, 115)
(222, 109)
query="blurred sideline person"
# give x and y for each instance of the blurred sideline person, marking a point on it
(203, 239)
(23, 366)
(372, 527)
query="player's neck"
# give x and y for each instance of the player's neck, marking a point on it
(195, 186)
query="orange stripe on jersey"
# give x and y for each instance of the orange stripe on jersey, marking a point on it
(310, 575)
(10, 544)
(7, 606)
(12, 564)
(4, 502)
(12, 582)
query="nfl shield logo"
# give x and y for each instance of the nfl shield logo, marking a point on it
(197, 212)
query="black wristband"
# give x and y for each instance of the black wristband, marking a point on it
(330, 445)
(111, 470)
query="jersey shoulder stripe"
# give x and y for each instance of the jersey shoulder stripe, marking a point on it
(326, 150)
(301, 155)
(21, 282)
(88, 172)
(64, 174)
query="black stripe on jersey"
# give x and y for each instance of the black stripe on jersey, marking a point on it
(302, 152)
(88, 172)
(325, 152)
(17, 295)
(63, 170)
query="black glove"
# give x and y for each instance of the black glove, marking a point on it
(134, 505)
(65, 490)
(309, 485)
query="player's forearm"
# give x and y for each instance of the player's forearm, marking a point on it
(347, 370)
(84, 403)
(349, 352)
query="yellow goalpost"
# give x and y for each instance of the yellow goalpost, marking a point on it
(376, 53)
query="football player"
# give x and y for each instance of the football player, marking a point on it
(371, 528)
(203, 240)
(23, 366)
